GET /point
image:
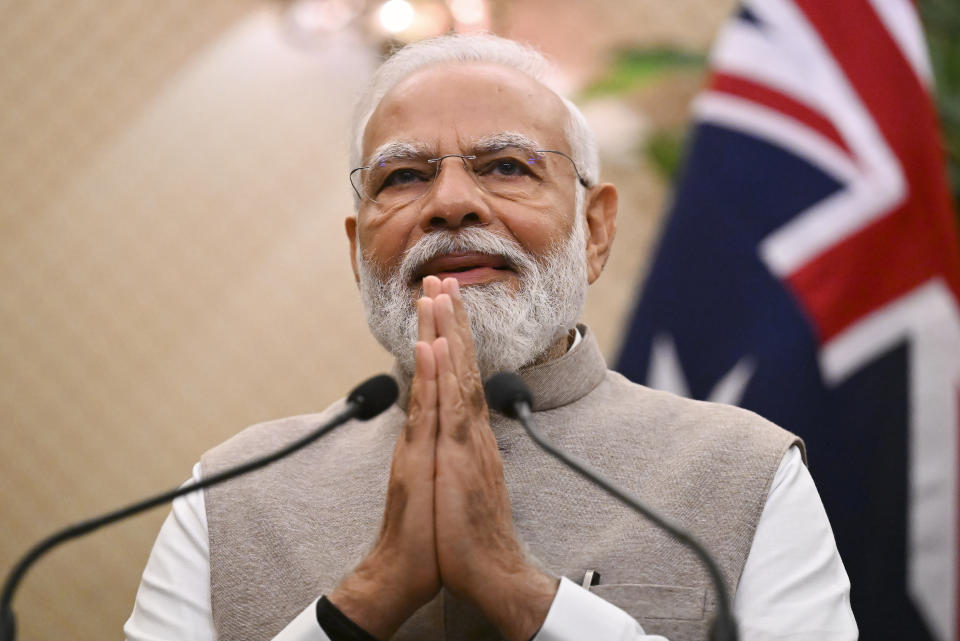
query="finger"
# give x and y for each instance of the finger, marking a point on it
(459, 339)
(446, 323)
(445, 318)
(422, 410)
(426, 323)
(452, 419)
(431, 286)
(451, 287)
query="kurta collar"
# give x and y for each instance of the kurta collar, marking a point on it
(554, 383)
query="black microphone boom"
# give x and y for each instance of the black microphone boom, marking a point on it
(368, 399)
(509, 395)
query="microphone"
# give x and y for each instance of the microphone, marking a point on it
(367, 400)
(373, 396)
(509, 395)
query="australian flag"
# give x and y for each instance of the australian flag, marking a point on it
(809, 271)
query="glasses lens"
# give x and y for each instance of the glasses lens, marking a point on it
(512, 172)
(395, 181)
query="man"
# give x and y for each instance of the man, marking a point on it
(479, 225)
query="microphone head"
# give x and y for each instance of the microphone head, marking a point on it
(374, 395)
(504, 391)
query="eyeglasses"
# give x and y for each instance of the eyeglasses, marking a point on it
(511, 172)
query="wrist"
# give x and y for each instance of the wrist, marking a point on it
(374, 599)
(518, 601)
(336, 625)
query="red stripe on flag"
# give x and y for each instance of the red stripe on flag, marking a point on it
(868, 270)
(919, 238)
(778, 101)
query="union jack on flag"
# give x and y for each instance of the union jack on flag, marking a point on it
(809, 270)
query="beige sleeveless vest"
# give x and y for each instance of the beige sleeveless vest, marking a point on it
(283, 535)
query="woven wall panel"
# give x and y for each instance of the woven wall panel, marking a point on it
(173, 265)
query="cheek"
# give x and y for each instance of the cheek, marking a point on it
(383, 238)
(541, 229)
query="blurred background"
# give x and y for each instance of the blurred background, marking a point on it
(173, 267)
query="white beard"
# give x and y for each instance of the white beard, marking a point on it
(510, 328)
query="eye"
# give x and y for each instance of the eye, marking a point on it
(403, 177)
(507, 167)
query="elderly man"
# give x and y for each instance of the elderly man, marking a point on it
(479, 225)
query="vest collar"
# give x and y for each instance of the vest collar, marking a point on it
(554, 383)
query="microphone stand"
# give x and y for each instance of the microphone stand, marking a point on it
(725, 625)
(510, 395)
(358, 406)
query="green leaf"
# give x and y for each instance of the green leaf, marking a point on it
(634, 68)
(664, 150)
(941, 21)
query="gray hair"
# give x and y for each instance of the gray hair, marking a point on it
(479, 48)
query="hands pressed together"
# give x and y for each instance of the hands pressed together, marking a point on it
(447, 519)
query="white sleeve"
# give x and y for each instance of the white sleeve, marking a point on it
(793, 584)
(304, 627)
(577, 614)
(173, 600)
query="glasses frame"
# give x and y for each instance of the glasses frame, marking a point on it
(465, 157)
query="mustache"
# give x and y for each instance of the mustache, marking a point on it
(472, 239)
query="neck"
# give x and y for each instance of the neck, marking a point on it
(555, 351)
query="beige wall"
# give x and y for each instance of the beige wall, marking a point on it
(172, 261)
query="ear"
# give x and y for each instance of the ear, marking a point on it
(601, 219)
(350, 226)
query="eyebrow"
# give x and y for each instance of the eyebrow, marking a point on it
(398, 150)
(412, 150)
(496, 142)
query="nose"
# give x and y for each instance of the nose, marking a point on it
(455, 199)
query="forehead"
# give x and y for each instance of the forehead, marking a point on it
(446, 108)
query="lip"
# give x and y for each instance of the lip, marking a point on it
(468, 268)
